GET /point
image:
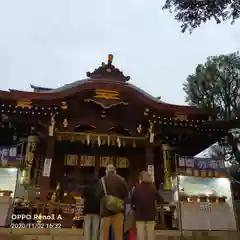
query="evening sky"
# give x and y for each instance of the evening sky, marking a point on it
(51, 43)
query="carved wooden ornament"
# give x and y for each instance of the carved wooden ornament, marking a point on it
(52, 126)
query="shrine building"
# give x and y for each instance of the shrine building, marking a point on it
(71, 133)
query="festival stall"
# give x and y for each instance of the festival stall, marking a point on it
(203, 195)
(9, 165)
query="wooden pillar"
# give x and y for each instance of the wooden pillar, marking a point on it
(166, 151)
(29, 156)
(46, 173)
(149, 159)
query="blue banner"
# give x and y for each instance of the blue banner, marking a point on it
(9, 154)
(202, 163)
(203, 167)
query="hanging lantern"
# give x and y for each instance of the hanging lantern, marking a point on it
(64, 105)
(65, 123)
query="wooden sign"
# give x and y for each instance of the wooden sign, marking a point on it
(24, 103)
(107, 94)
(180, 116)
(121, 162)
(47, 167)
(104, 161)
(151, 172)
(87, 161)
(71, 160)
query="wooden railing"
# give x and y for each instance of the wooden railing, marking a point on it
(71, 215)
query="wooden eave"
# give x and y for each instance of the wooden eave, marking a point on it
(106, 77)
(126, 88)
(194, 127)
(222, 124)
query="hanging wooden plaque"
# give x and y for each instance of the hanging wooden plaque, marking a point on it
(122, 162)
(71, 160)
(87, 161)
(47, 167)
(107, 94)
(24, 103)
(104, 161)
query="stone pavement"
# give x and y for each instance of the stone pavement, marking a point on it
(77, 234)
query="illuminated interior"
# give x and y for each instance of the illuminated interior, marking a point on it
(8, 179)
(205, 186)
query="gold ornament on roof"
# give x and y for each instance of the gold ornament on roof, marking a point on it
(151, 133)
(65, 122)
(108, 71)
(24, 103)
(107, 94)
(64, 105)
(51, 126)
(180, 116)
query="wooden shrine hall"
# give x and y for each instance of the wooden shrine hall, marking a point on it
(71, 133)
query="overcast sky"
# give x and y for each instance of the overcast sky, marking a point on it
(54, 42)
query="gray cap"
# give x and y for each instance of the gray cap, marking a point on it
(110, 168)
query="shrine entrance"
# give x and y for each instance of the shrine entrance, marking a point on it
(75, 163)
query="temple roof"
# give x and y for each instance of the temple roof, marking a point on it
(108, 77)
(40, 89)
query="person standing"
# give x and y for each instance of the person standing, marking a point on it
(112, 191)
(143, 202)
(91, 210)
(130, 225)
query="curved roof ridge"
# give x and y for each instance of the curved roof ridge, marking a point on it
(80, 82)
(69, 86)
(86, 80)
(87, 84)
(150, 96)
(145, 93)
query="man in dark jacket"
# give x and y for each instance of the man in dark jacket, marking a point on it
(117, 187)
(91, 210)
